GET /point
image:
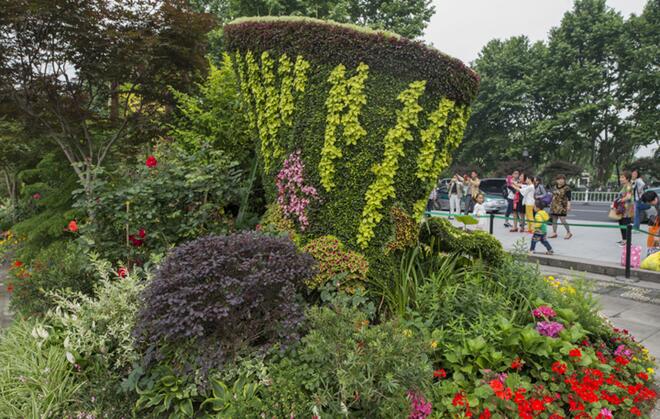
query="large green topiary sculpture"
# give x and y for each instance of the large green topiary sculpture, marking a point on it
(351, 121)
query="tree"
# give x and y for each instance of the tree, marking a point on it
(91, 73)
(583, 88)
(405, 17)
(506, 108)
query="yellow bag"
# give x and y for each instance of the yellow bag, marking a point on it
(652, 263)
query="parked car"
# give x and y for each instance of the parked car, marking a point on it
(492, 188)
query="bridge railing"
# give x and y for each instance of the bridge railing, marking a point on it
(591, 196)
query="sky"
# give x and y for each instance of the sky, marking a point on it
(461, 28)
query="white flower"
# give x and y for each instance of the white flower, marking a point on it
(70, 357)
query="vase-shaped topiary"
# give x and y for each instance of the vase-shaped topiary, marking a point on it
(370, 119)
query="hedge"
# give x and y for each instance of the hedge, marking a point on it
(351, 122)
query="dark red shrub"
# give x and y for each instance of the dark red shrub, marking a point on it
(220, 294)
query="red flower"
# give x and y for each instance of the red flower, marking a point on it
(643, 376)
(17, 264)
(621, 360)
(559, 368)
(10, 288)
(459, 400)
(151, 162)
(122, 272)
(142, 233)
(441, 373)
(537, 405)
(517, 364)
(485, 414)
(575, 353)
(36, 196)
(556, 416)
(635, 411)
(496, 385)
(73, 226)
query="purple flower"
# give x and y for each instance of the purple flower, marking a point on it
(544, 311)
(419, 408)
(606, 413)
(621, 350)
(550, 329)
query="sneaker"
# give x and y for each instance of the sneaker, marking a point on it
(507, 225)
(549, 253)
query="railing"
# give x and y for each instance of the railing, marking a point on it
(590, 196)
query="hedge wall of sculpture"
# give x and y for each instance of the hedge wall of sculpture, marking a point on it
(351, 122)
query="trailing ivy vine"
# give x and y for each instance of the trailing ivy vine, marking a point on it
(345, 95)
(382, 188)
(271, 106)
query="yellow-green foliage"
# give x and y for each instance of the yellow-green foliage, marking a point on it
(270, 106)
(274, 221)
(382, 188)
(335, 260)
(345, 95)
(429, 136)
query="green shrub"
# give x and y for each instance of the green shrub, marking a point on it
(98, 330)
(374, 117)
(344, 366)
(36, 380)
(60, 266)
(148, 210)
(442, 236)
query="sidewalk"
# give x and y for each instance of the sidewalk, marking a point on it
(597, 244)
(635, 308)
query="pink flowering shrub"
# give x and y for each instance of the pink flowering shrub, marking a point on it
(293, 196)
(419, 408)
(544, 311)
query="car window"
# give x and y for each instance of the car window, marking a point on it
(492, 186)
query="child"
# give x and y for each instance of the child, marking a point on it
(540, 228)
(479, 212)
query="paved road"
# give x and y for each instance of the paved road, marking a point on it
(590, 212)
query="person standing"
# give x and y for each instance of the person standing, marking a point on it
(518, 206)
(527, 192)
(539, 189)
(625, 204)
(510, 193)
(638, 190)
(560, 206)
(473, 187)
(479, 212)
(455, 192)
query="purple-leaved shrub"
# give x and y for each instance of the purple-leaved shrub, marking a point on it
(218, 295)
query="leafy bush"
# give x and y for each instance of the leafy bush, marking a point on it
(442, 236)
(150, 209)
(334, 260)
(225, 293)
(344, 366)
(99, 329)
(36, 380)
(60, 266)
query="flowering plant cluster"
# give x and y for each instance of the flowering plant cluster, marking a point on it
(293, 196)
(596, 379)
(335, 260)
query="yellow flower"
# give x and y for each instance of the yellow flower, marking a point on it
(645, 351)
(650, 370)
(407, 333)
(434, 344)
(635, 359)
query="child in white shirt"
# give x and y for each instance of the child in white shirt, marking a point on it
(527, 192)
(479, 213)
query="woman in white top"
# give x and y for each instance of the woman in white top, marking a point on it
(527, 192)
(455, 191)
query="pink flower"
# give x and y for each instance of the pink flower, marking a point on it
(605, 413)
(36, 196)
(419, 408)
(544, 311)
(122, 272)
(293, 195)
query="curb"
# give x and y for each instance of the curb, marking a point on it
(595, 267)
